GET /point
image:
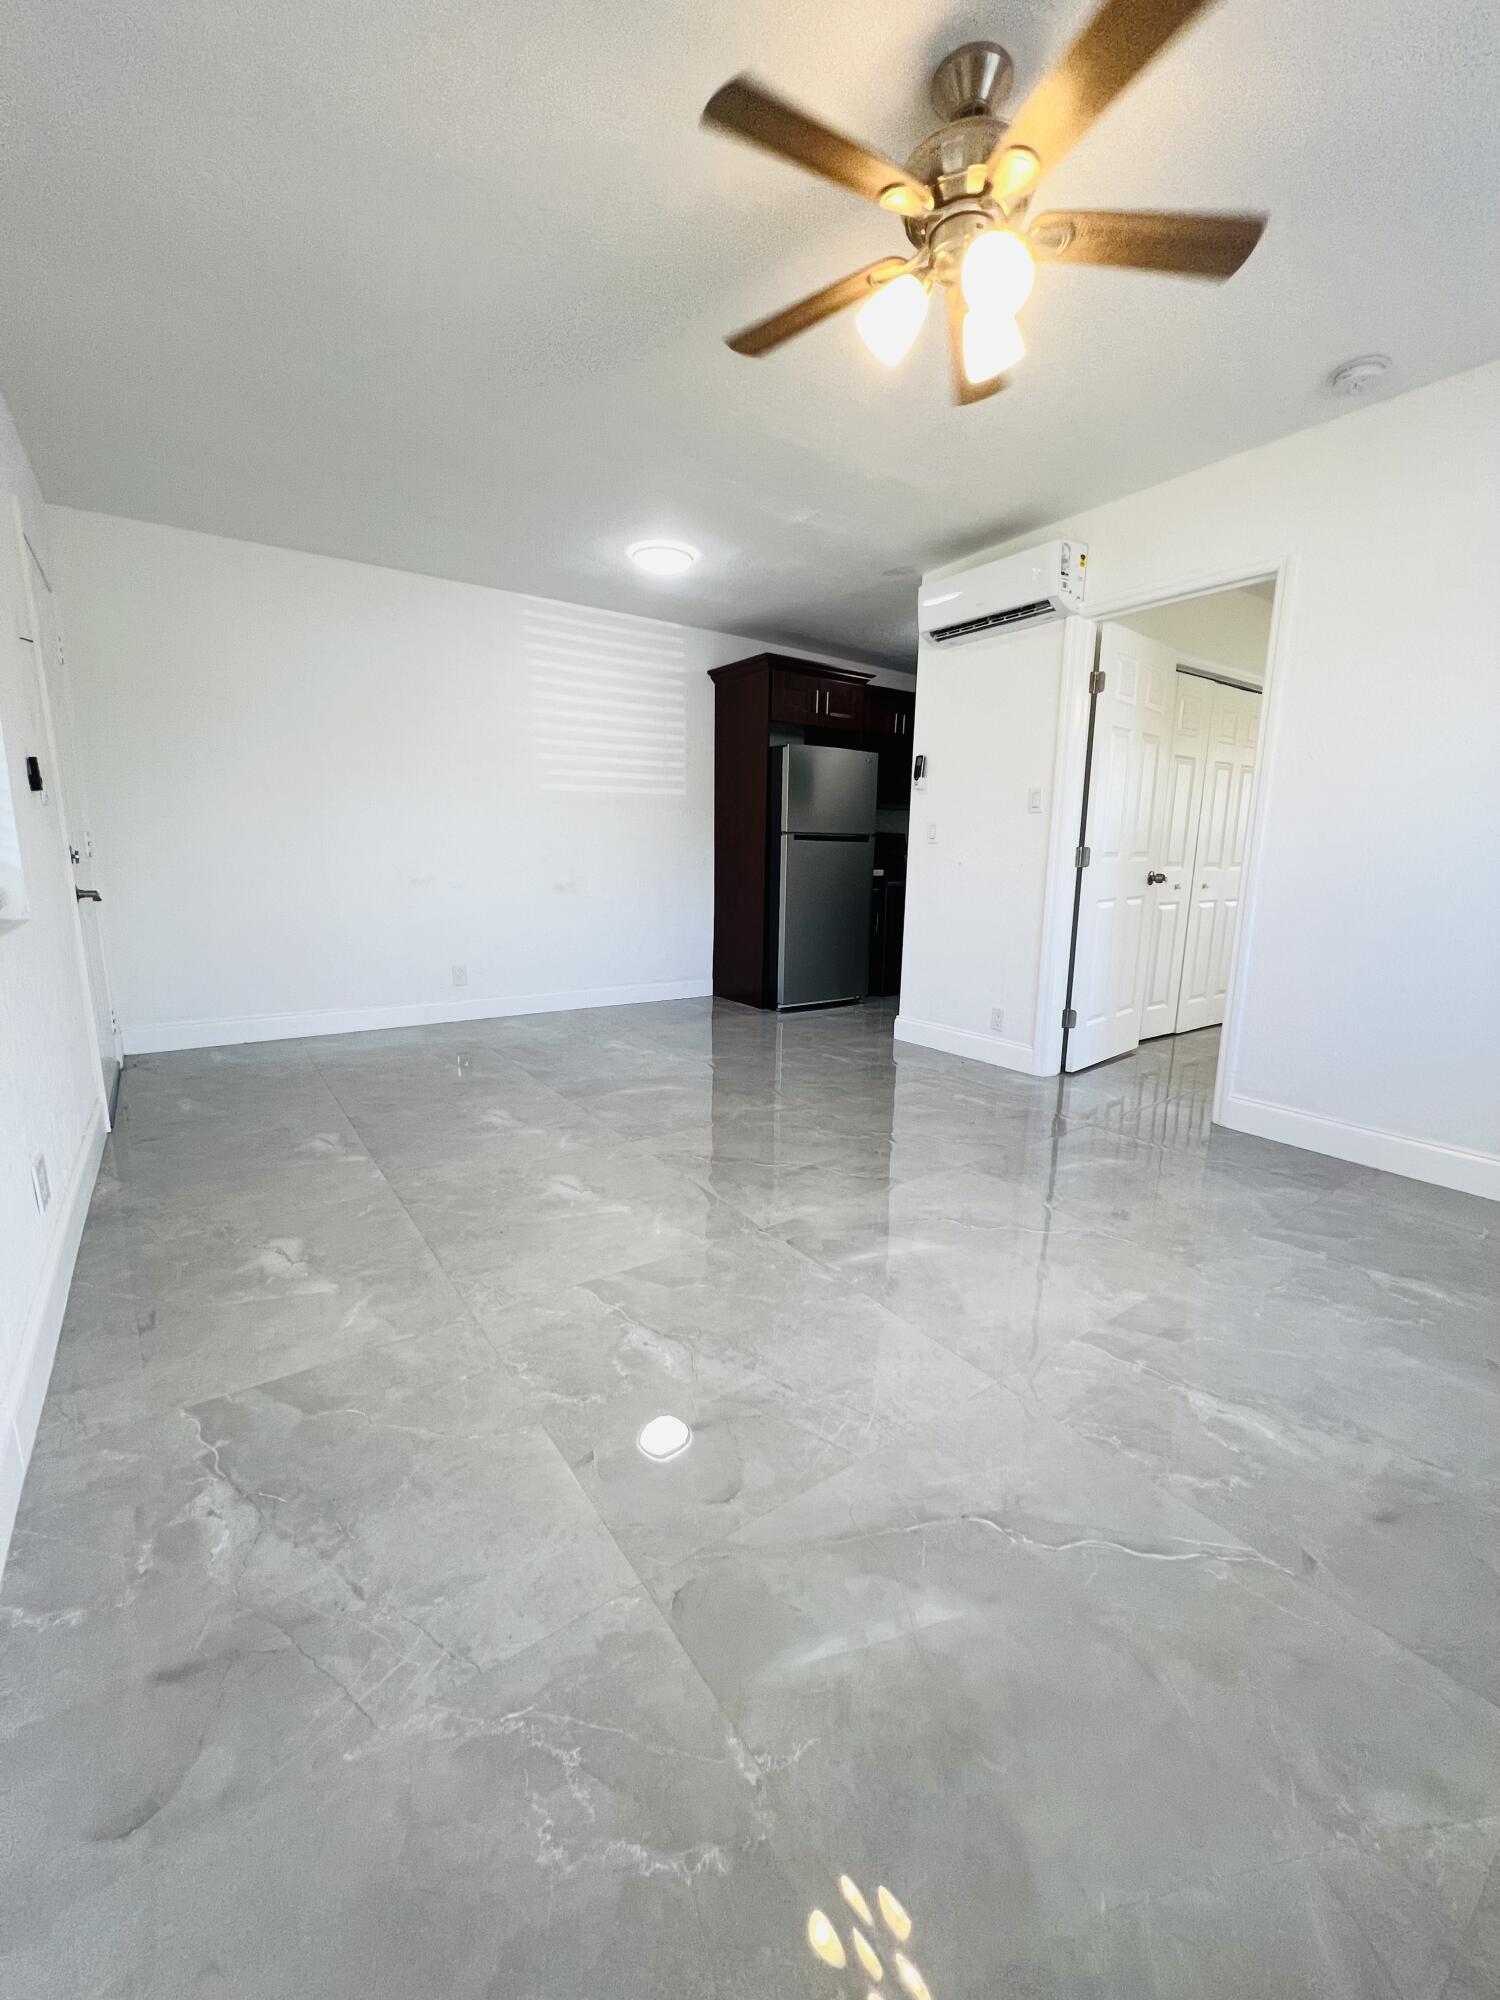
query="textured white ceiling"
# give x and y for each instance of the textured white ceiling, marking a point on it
(443, 285)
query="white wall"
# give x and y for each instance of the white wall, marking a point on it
(51, 1097)
(319, 786)
(986, 722)
(1363, 1018)
(1232, 628)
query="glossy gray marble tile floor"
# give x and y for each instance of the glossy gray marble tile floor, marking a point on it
(1089, 1533)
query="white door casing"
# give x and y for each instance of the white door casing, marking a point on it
(1219, 861)
(52, 675)
(1132, 734)
(1172, 848)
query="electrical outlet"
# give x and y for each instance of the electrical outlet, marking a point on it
(41, 1186)
(460, 975)
(932, 830)
(997, 1020)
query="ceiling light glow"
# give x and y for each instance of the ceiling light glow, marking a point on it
(889, 322)
(998, 274)
(659, 558)
(664, 1437)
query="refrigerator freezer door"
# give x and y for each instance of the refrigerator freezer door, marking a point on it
(825, 920)
(827, 791)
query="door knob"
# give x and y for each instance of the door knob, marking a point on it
(1155, 876)
(88, 895)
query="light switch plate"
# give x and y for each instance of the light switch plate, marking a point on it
(932, 830)
(1034, 799)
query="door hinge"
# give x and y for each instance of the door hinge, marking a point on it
(1096, 681)
(1070, 1017)
(1081, 856)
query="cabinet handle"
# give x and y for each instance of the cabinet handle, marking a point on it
(817, 701)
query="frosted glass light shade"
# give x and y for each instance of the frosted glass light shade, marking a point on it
(992, 344)
(889, 322)
(998, 274)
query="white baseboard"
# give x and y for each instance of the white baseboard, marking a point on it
(144, 1038)
(25, 1392)
(1393, 1153)
(993, 1049)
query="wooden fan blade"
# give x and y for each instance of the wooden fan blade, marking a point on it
(1123, 37)
(746, 110)
(965, 391)
(835, 298)
(1190, 246)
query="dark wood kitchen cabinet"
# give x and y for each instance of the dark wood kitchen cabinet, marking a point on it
(810, 697)
(766, 696)
(889, 712)
(888, 727)
(752, 698)
(839, 704)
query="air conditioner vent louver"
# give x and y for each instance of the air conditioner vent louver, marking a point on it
(1018, 614)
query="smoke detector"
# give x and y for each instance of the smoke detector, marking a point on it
(1359, 377)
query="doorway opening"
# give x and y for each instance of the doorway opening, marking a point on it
(1173, 736)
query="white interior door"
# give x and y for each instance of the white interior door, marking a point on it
(1132, 734)
(1172, 850)
(1219, 862)
(52, 673)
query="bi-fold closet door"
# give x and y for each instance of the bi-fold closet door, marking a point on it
(1169, 807)
(1169, 903)
(1219, 856)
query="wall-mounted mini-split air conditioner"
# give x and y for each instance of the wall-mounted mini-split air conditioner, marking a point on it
(1028, 589)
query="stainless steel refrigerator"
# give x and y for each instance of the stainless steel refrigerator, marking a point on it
(822, 867)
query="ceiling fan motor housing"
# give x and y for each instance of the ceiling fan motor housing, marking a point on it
(968, 88)
(950, 161)
(972, 82)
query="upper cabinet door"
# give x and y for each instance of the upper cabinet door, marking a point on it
(840, 703)
(889, 711)
(808, 699)
(793, 696)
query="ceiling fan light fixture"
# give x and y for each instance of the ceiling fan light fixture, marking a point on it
(904, 200)
(1014, 173)
(890, 321)
(997, 274)
(660, 558)
(992, 344)
(963, 192)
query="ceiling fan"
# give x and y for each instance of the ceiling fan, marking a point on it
(965, 193)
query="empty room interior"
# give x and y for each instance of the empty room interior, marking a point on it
(749, 978)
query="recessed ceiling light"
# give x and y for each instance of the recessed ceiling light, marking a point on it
(662, 558)
(664, 1437)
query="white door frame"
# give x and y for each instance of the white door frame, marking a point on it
(46, 680)
(1067, 790)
